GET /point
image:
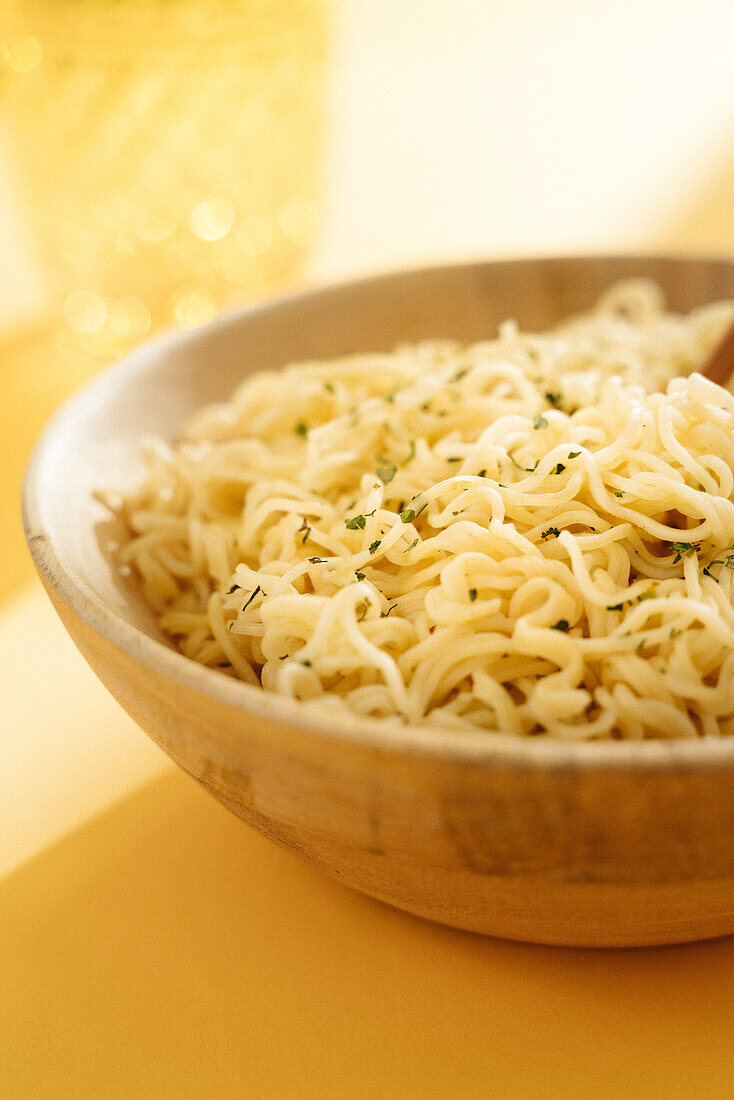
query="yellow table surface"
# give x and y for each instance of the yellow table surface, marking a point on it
(167, 950)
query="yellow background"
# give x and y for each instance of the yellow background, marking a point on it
(163, 949)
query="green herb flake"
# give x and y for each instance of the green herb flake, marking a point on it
(306, 663)
(356, 523)
(454, 458)
(472, 594)
(234, 588)
(553, 398)
(617, 493)
(306, 533)
(460, 374)
(389, 397)
(374, 546)
(252, 597)
(387, 473)
(684, 549)
(412, 546)
(551, 532)
(359, 576)
(329, 387)
(675, 631)
(525, 469)
(540, 422)
(640, 645)
(559, 468)
(562, 624)
(574, 454)
(317, 561)
(409, 514)
(615, 607)
(301, 428)
(482, 473)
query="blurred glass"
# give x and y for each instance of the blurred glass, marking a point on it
(166, 155)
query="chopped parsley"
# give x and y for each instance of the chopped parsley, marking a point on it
(617, 493)
(329, 387)
(306, 533)
(540, 422)
(728, 564)
(482, 473)
(409, 514)
(615, 607)
(574, 454)
(317, 561)
(359, 576)
(252, 597)
(306, 663)
(551, 532)
(389, 397)
(412, 546)
(562, 624)
(553, 398)
(559, 468)
(233, 589)
(387, 473)
(684, 550)
(454, 458)
(356, 523)
(375, 545)
(525, 469)
(460, 374)
(301, 428)
(472, 594)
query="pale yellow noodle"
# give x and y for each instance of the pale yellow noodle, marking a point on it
(532, 534)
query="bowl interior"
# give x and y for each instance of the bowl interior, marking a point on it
(93, 442)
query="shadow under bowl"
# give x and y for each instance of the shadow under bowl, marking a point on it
(602, 844)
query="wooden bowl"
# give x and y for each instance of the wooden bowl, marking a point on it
(610, 843)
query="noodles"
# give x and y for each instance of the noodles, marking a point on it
(534, 534)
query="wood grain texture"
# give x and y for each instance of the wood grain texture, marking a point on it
(602, 844)
(719, 367)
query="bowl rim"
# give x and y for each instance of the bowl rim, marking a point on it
(484, 748)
